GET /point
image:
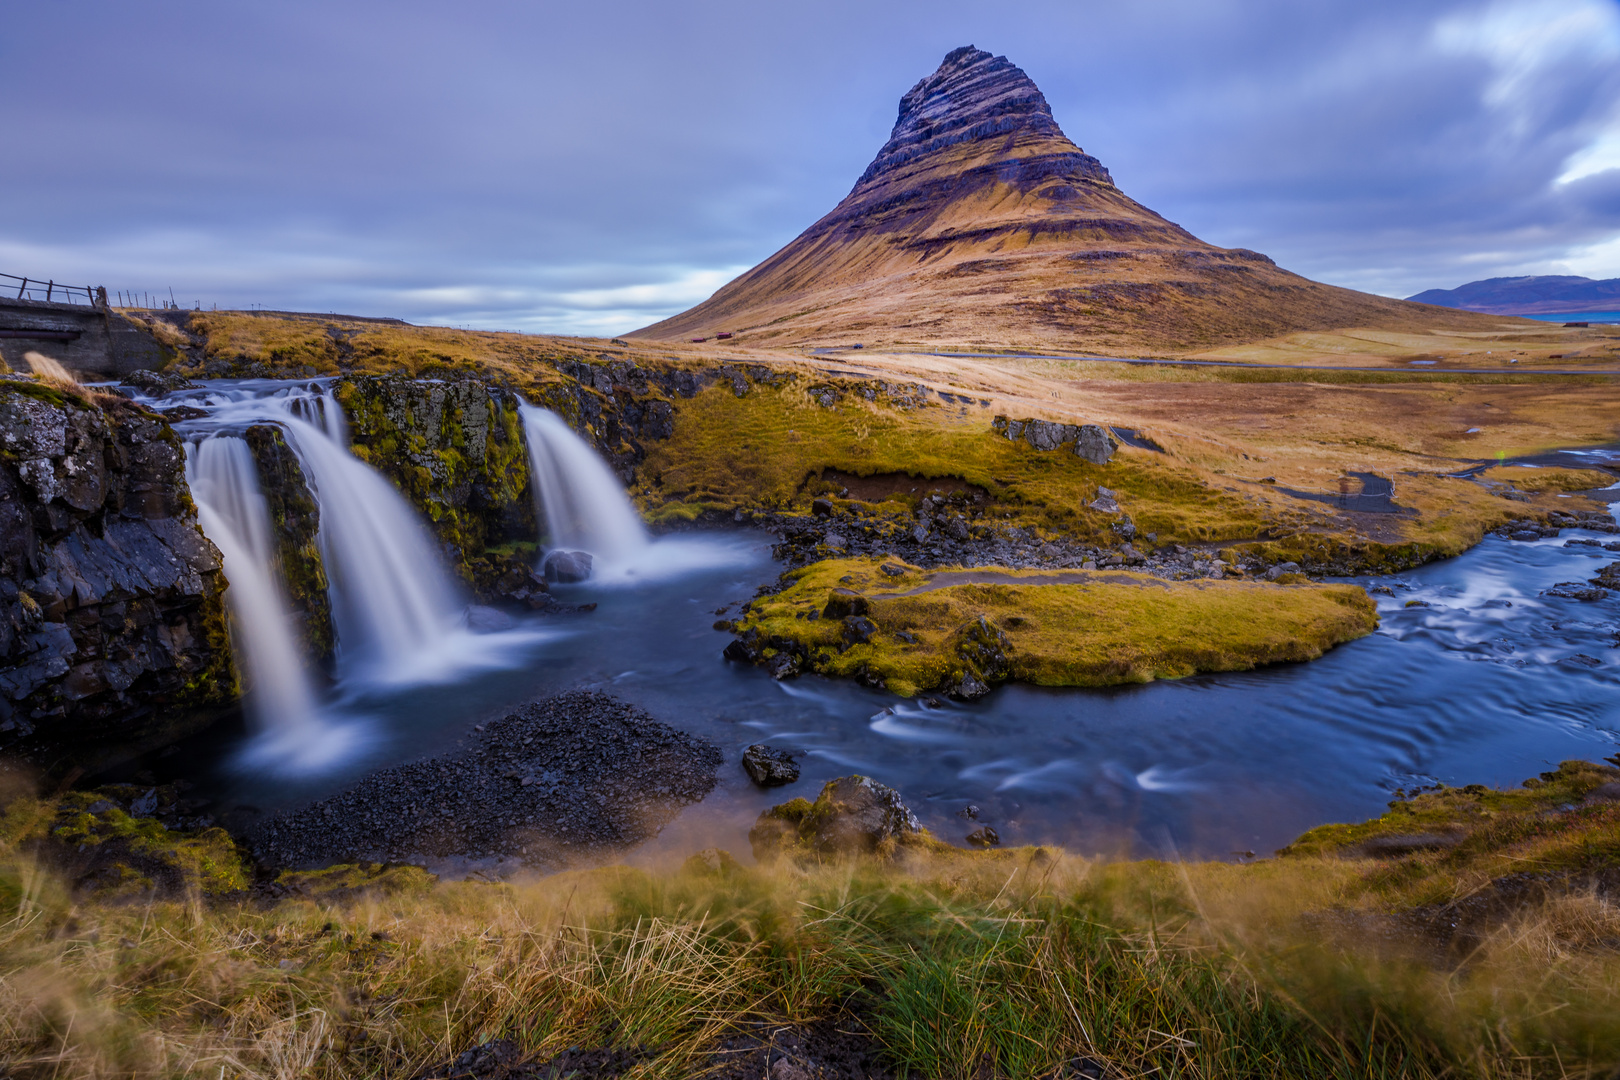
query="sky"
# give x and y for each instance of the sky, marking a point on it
(592, 168)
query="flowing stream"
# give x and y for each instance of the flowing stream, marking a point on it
(1476, 675)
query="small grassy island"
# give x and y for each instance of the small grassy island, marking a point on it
(914, 630)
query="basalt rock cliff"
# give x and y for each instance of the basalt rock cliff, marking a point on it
(112, 620)
(980, 222)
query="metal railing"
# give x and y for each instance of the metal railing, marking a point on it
(51, 292)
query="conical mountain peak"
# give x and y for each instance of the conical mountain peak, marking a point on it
(979, 222)
(973, 95)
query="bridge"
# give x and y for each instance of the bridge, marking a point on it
(73, 325)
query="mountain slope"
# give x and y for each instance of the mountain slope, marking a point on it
(1543, 295)
(980, 222)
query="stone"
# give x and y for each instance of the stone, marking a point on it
(565, 567)
(984, 836)
(769, 767)
(969, 687)
(782, 1068)
(1609, 792)
(1105, 502)
(1095, 444)
(1575, 590)
(1280, 569)
(711, 862)
(970, 812)
(852, 815)
(892, 569)
(858, 629)
(821, 507)
(842, 603)
(156, 383)
(1525, 535)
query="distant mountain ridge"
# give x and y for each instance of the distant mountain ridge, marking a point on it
(979, 222)
(1547, 294)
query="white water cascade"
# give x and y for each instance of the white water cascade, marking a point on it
(231, 510)
(398, 618)
(393, 605)
(585, 508)
(583, 504)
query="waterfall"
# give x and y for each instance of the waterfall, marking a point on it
(231, 510)
(583, 504)
(393, 604)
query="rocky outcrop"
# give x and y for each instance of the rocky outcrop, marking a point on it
(1093, 442)
(853, 815)
(456, 450)
(112, 621)
(295, 518)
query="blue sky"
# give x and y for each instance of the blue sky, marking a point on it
(592, 168)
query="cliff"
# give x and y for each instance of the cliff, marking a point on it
(112, 621)
(980, 222)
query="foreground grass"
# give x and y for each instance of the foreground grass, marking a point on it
(961, 964)
(1065, 629)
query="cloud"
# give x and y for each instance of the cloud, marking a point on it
(593, 168)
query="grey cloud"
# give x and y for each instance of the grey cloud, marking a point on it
(559, 167)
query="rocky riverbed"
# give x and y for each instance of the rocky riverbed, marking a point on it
(558, 782)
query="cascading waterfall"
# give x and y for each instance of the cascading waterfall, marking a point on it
(392, 602)
(398, 619)
(585, 508)
(232, 512)
(583, 503)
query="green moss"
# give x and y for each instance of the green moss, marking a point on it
(136, 853)
(1076, 629)
(769, 448)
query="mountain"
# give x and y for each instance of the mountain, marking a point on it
(1545, 295)
(979, 222)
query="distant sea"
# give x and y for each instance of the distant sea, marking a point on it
(1578, 316)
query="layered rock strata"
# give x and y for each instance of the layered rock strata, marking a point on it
(980, 222)
(112, 621)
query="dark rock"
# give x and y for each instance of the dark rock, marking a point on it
(1525, 535)
(858, 629)
(740, 651)
(157, 383)
(112, 617)
(821, 507)
(1583, 660)
(835, 541)
(969, 687)
(892, 570)
(565, 567)
(852, 815)
(842, 603)
(970, 812)
(769, 767)
(1575, 590)
(984, 836)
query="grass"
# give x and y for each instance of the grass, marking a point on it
(961, 964)
(1112, 627)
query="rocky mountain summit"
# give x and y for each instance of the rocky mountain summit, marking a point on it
(981, 222)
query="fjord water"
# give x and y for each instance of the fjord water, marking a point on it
(1483, 679)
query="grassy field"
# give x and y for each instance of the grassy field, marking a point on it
(1338, 959)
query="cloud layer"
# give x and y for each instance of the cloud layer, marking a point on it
(592, 168)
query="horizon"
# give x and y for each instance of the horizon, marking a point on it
(475, 173)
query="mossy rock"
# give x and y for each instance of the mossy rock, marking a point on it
(107, 853)
(853, 815)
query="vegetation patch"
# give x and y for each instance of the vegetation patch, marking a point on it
(916, 631)
(1526, 478)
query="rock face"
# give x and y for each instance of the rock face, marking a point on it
(980, 222)
(456, 450)
(295, 518)
(112, 621)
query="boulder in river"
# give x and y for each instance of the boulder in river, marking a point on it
(567, 566)
(853, 815)
(769, 767)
